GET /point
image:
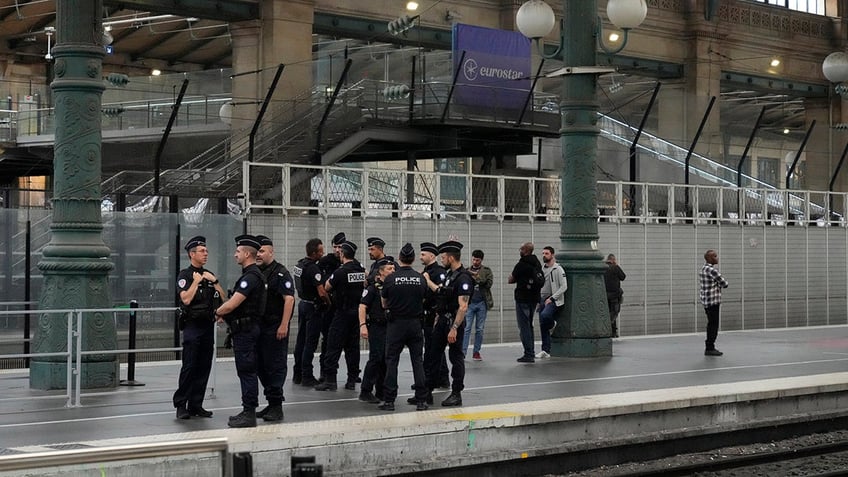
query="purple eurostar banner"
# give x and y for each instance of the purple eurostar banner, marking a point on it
(495, 72)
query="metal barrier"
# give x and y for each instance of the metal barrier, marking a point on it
(74, 352)
(92, 459)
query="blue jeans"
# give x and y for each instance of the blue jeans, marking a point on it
(476, 314)
(524, 316)
(547, 318)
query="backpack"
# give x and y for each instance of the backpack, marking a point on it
(535, 283)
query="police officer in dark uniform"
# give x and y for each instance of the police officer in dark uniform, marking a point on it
(452, 299)
(403, 297)
(375, 253)
(436, 272)
(273, 346)
(309, 282)
(372, 327)
(199, 294)
(346, 286)
(243, 314)
(329, 264)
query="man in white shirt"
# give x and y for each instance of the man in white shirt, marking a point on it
(552, 298)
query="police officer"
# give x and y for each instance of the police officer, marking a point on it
(452, 299)
(403, 296)
(436, 272)
(372, 327)
(375, 253)
(346, 286)
(199, 293)
(273, 346)
(329, 264)
(243, 314)
(309, 282)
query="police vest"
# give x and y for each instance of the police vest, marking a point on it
(253, 305)
(306, 291)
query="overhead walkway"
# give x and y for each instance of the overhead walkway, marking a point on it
(518, 417)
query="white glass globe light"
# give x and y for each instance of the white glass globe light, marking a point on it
(835, 67)
(535, 19)
(226, 113)
(626, 14)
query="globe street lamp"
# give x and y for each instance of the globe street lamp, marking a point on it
(835, 69)
(583, 328)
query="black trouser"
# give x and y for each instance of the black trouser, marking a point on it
(272, 360)
(244, 350)
(400, 333)
(456, 354)
(305, 312)
(442, 374)
(712, 325)
(198, 347)
(614, 305)
(343, 335)
(375, 369)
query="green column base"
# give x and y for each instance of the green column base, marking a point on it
(49, 375)
(581, 347)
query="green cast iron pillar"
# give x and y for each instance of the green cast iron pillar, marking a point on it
(75, 264)
(583, 329)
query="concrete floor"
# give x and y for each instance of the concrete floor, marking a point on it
(31, 420)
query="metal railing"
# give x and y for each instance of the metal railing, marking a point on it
(332, 190)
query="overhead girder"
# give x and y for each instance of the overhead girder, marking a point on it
(225, 10)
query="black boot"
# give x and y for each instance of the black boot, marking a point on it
(387, 406)
(246, 418)
(455, 399)
(182, 413)
(261, 413)
(327, 385)
(368, 396)
(273, 413)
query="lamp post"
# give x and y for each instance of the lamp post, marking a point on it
(584, 326)
(75, 263)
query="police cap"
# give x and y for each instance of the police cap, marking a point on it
(195, 242)
(349, 246)
(430, 247)
(248, 241)
(339, 238)
(407, 252)
(376, 242)
(263, 240)
(450, 246)
(387, 260)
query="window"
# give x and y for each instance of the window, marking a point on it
(816, 7)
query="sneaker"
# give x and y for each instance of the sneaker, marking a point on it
(455, 399)
(200, 412)
(553, 327)
(368, 396)
(543, 355)
(526, 359)
(477, 357)
(273, 413)
(713, 352)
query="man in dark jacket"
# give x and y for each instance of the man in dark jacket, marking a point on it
(613, 277)
(528, 288)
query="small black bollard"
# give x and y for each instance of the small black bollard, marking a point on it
(306, 467)
(130, 381)
(242, 464)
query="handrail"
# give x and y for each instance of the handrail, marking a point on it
(76, 457)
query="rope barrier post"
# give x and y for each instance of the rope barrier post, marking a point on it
(130, 381)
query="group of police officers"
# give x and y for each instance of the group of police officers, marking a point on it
(392, 306)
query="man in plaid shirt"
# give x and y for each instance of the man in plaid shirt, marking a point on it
(711, 284)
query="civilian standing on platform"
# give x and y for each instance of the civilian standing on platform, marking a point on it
(403, 298)
(481, 303)
(372, 327)
(273, 347)
(613, 277)
(552, 298)
(528, 277)
(309, 282)
(199, 294)
(452, 299)
(711, 284)
(243, 313)
(436, 272)
(345, 285)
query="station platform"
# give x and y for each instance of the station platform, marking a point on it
(651, 388)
